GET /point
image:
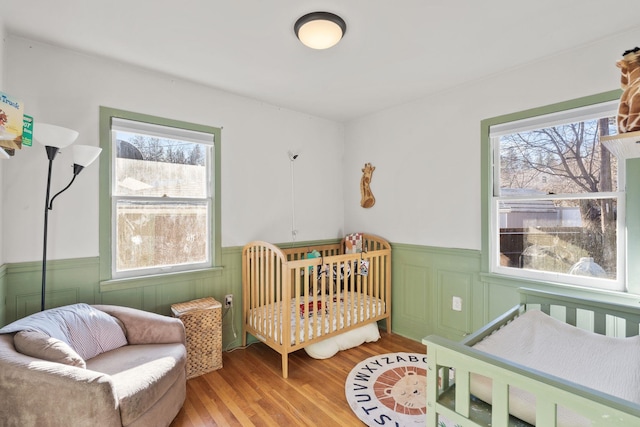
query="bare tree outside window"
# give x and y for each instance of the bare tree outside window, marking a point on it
(552, 213)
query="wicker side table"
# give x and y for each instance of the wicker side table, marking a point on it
(202, 321)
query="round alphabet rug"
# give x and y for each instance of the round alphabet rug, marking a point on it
(389, 389)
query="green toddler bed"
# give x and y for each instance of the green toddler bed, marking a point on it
(553, 360)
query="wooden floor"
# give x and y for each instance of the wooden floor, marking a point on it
(249, 390)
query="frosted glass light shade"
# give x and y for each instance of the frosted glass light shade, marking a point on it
(320, 30)
(53, 136)
(84, 155)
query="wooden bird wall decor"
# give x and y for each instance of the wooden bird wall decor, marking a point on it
(366, 196)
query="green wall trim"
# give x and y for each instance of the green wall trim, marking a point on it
(56, 264)
(633, 224)
(434, 249)
(71, 281)
(105, 221)
(154, 279)
(561, 288)
(3, 294)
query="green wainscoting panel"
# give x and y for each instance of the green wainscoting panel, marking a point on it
(500, 297)
(424, 281)
(3, 294)
(78, 280)
(68, 282)
(408, 301)
(450, 285)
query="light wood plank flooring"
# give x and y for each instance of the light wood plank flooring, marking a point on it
(249, 390)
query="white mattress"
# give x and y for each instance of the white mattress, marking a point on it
(536, 340)
(366, 307)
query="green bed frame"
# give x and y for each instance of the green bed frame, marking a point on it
(448, 394)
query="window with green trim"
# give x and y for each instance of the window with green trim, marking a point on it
(557, 204)
(161, 195)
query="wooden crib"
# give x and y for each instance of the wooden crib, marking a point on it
(453, 369)
(290, 301)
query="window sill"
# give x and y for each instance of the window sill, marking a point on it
(621, 297)
(158, 279)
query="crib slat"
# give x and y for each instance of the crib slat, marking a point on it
(600, 323)
(462, 391)
(545, 308)
(432, 385)
(270, 291)
(631, 328)
(298, 285)
(571, 316)
(500, 404)
(546, 412)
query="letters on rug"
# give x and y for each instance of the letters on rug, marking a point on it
(389, 389)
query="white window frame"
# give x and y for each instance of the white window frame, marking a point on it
(165, 132)
(604, 109)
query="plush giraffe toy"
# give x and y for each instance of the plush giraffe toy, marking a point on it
(366, 200)
(629, 108)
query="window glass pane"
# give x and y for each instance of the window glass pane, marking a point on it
(551, 209)
(562, 159)
(158, 167)
(161, 234)
(571, 236)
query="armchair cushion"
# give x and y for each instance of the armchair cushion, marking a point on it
(142, 374)
(42, 346)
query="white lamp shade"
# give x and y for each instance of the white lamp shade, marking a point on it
(320, 30)
(53, 136)
(84, 155)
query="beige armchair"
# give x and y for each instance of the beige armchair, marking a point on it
(142, 383)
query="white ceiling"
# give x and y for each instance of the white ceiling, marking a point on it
(393, 51)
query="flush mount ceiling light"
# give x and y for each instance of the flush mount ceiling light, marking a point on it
(320, 30)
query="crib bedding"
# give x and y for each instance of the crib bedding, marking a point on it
(338, 314)
(534, 363)
(538, 341)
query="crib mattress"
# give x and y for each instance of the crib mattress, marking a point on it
(342, 314)
(535, 340)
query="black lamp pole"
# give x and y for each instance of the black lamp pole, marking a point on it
(51, 154)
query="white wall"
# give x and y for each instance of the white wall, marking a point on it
(66, 88)
(427, 153)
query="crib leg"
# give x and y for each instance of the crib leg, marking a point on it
(285, 365)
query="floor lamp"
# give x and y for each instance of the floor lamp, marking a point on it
(54, 138)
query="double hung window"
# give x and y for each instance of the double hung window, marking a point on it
(161, 197)
(557, 208)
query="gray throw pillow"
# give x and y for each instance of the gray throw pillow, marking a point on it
(39, 345)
